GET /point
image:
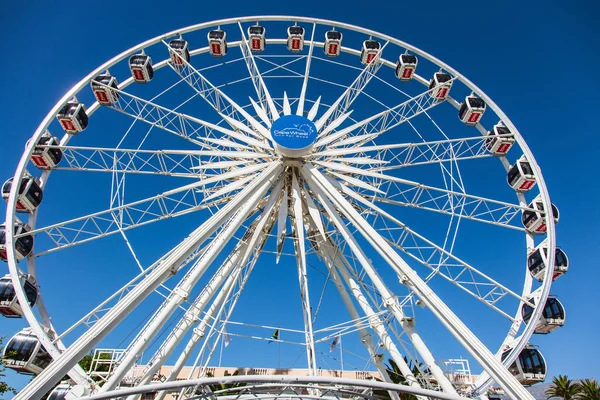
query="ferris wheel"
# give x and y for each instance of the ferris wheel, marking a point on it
(389, 196)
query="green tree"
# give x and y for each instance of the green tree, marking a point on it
(397, 377)
(4, 388)
(564, 388)
(589, 390)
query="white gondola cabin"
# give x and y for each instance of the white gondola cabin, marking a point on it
(105, 89)
(44, 157)
(537, 262)
(406, 66)
(30, 193)
(498, 141)
(141, 68)
(370, 49)
(471, 110)
(257, 38)
(72, 117)
(534, 219)
(60, 392)
(520, 175)
(553, 316)
(333, 43)
(295, 41)
(9, 305)
(24, 353)
(530, 367)
(217, 43)
(23, 244)
(179, 51)
(440, 85)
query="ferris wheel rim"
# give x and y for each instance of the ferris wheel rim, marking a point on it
(10, 216)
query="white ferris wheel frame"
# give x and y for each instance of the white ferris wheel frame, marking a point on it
(56, 348)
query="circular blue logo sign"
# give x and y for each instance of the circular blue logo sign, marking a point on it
(294, 132)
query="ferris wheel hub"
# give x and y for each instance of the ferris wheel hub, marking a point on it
(293, 135)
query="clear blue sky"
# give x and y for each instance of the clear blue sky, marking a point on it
(537, 60)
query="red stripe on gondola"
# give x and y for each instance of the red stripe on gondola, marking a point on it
(503, 148)
(101, 96)
(39, 161)
(138, 74)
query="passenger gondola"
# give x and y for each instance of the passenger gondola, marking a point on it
(530, 367)
(72, 117)
(333, 43)
(471, 110)
(44, 157)
(141, 68)
(257, 38)
(497, 142)
(370, 49)
(553, 316)
(60, 392)
(295, 41)
(217, 43)
(30, 193)
(105, 88)
(9, 305)
(537, 262)
(406, 66)
(520, 175)
(534, 219)
(24, 353)
(440, 85)
(67, 390)
(23, 244)
(179, 51)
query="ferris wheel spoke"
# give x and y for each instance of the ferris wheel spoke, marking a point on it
(172, 203)
(183, 125)
(240, 205)
(413, 194)
(300, 109)
(218, 100)
(325, 197)
(160, 162)
(456, 327)
(402, 155)
(343, 103)
(299, 244)
(449, 266)
(264, 97)
(375, 125)
(226, 276)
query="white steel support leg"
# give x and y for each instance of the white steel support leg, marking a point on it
(390, 300)
(255, 244)
(181, 292)
(300, 243)
(374, 321)
(237, 260)
(41, 384)
(458, 329)
(365, 337)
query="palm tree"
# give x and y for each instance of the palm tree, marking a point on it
(397, 377)
(588, 390)
(563, 388)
